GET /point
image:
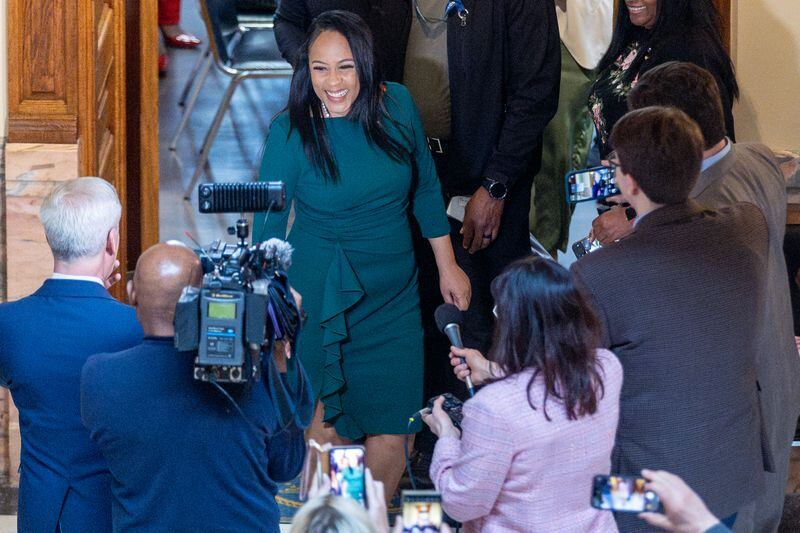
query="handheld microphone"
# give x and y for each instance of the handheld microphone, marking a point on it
(448, 320)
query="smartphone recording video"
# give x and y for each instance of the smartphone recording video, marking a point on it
(422, 511)
(591, 184)
(624, 494)
(347, 471)
(585, 246)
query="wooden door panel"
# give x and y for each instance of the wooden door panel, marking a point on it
(101, 117)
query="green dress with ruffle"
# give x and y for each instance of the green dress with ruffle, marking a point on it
(354, 264)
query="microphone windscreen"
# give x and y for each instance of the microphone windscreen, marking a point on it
(279, 250)
(447, 314)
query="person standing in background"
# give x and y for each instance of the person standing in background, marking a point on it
(585, 27)
(169, 22)
(647, 34)
(485, 76)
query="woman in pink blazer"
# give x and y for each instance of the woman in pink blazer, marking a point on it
(543, 425)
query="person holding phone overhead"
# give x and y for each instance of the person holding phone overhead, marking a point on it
(545, 420)
(356, 164)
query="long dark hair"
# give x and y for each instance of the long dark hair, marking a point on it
(544, 323)
(684, 19)
(369, 110)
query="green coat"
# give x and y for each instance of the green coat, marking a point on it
(354, 265)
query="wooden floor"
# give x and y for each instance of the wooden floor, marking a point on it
(235, 155)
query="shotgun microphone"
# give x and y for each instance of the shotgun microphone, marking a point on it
(448, 320)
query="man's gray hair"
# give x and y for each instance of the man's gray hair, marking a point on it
(77, 216)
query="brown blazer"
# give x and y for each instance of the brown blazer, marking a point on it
(680, 299)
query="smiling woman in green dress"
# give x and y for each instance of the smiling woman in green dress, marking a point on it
(356, 163)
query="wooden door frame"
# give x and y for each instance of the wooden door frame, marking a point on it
(136, 162)
(142, 121)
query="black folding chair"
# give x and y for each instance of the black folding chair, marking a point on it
(242, 45)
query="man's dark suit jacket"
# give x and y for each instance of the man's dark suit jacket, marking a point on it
(504, 65)
(182, 458)
(45, 339)
(680, 298)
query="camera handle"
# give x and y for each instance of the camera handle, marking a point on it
(241, 230)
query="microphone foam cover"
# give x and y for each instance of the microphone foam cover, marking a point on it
(447, 314)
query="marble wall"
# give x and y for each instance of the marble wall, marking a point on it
(31, 170)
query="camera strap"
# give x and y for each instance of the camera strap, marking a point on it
(291, 394)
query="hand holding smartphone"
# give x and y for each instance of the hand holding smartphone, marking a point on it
(347, 472)
(422, 511)
(593, 183)
(625, 494)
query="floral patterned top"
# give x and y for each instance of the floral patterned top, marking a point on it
(608, 98)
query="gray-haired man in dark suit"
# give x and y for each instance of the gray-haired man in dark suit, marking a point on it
(680, 298)
(744, 172)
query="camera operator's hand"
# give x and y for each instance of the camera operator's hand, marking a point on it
(684, 511)
(438, 421)
(611, 225)
(476, 365)
(481, 224)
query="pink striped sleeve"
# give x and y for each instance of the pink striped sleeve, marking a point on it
(470, 472)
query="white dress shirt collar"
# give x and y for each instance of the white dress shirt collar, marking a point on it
(58, 275)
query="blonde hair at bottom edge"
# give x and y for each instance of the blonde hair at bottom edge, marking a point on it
(332, 514)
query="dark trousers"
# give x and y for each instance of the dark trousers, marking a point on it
(482, 267)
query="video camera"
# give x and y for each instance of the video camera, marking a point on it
(244, 303)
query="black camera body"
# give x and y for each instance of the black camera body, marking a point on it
(244, 302)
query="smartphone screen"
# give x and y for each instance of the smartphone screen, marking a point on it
(585, 246)
(591, 184)
(347, 472)
(623, 493)
(422, 511)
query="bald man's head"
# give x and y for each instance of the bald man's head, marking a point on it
(161, 274)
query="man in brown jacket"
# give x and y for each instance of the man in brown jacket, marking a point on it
(680, 299)
(744, 172)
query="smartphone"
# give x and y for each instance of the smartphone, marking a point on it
(422, 511)
(593, 183)
(585, 246)
(347, 471)
(624, 494)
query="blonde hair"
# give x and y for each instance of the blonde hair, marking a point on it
(332, 514)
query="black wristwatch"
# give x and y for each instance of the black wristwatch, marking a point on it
(496, 189)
